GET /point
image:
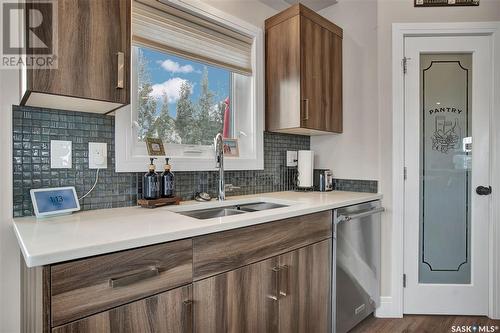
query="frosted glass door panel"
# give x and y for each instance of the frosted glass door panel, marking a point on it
(445, 160)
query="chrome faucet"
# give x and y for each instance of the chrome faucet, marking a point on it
(219, 164)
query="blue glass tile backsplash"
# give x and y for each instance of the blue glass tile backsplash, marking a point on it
(34, 128)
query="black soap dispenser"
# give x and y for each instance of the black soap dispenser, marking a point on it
(151, 183)
(167, 181)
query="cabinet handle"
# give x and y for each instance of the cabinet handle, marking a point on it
(306, 109)
(120, 70)
(359, 214)
(134, 278)
(283, 285)
(187, 317)
(275, 294)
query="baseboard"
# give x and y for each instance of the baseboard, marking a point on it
(386, 308)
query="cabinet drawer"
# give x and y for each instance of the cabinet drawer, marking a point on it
(225, 251)
(168, 312)
(84, 287)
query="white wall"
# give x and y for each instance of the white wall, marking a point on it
(402, 11)
(354, 153)
(363, 151)
(9, 250)
(251, 11)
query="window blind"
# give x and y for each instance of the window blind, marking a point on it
(167, 28)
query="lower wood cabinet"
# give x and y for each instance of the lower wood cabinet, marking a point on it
(170, 312)
(305, 287)
(287, 293)
(88, 286)
(270, 277)
(244, 300)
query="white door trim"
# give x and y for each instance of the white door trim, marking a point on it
(399, 32)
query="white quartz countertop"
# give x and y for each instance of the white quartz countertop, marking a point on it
(89, 233)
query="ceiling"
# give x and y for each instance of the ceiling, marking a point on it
(313, 4)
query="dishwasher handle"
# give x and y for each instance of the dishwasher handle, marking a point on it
(359, 214)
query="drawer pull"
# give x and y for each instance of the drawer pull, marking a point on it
(283, 273)
(275, 284)
(133, 278)
(187, 325)
(120, 70)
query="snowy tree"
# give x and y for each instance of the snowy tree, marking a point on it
(145, 104)
(165, 124)
(185, 124)
(204, 120)
(196, 122)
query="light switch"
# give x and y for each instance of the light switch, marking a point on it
(60, 154)
(98, 155)
(291, 158)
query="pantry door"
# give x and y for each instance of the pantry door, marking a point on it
(447, 156)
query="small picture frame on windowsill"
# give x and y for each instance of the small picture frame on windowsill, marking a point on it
(155, 147)
(231, 148)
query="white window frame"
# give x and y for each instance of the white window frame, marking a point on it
(131, 157)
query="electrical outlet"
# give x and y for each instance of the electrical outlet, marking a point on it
(60, 154)
(291, 158)
(98, 155)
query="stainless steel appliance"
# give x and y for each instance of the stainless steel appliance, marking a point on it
(323, 180)
(357, 257)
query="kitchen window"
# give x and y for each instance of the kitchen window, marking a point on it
(193, 76)
(179, 100)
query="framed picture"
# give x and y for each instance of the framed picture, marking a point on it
(231, 148)
(155, 147)
(444, 3)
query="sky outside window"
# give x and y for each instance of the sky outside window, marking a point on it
(179, 100)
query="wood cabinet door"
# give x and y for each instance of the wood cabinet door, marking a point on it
(168, 312)
(90, 35)
(312, 116)
(305, 289)
(283, 75)
(332, 82)
(240, 301)
(321, 78)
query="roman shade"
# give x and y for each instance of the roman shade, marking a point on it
(164, 27)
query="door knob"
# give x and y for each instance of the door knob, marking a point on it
(483, 190)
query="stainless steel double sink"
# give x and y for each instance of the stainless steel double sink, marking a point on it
(210, 213)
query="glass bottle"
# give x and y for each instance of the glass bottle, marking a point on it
(167, 181)
(151, 183)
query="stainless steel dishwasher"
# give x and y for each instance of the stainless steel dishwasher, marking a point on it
(357, 257)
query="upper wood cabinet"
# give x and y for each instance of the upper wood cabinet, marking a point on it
(93, 58)
(303, 73)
